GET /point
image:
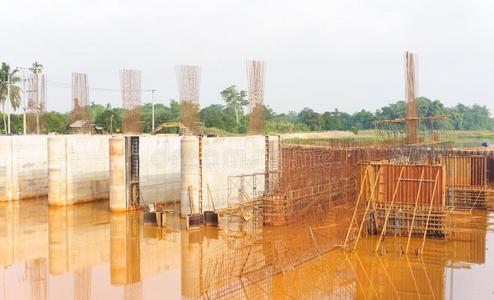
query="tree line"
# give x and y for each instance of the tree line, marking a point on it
(231, 116)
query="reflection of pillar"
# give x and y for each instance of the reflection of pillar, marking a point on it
(58, 241)
(82, 284)
(7, 236)
(125, 261)
(192, 262)
(133, 291)
(38, 277)
(76, 237)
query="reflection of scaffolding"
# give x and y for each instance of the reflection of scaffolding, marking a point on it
(35, 105)
(255, 77)
(130, 81)
(188, 81)
(80, 97)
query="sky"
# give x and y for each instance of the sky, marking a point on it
(320, 54)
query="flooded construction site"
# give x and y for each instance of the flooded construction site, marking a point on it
(406, 215)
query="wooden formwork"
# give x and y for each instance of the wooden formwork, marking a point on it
(400, 199)
(465, 170)
(466, 181)
(404, 188)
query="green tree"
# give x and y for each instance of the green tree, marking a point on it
(363, 119)
(36, 67)
(10, 92)
(95, 110)
(214, 116)
(175, 109)
(312, 119)
(110, 120)
(162, 114)
(235, 101)
(55, 122)
(331, 120)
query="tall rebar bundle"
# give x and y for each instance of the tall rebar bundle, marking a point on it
(412, 115)
(188, 82)
(255, 77)
(80, 97)
(35, 105)
(130, 81)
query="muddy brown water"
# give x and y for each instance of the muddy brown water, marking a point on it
(85, 252)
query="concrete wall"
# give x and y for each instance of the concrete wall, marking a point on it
(78, 168)
(222, 157)
(159, 172)
(23, 167)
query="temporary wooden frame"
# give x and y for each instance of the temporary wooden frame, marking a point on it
(405, 199)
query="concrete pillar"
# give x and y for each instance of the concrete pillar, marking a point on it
(57, 171)
(189, 162)
(118, 196)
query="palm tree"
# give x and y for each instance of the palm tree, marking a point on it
(36, 67)
(9, 91)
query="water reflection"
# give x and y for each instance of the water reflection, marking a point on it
(74, 230)
(85, 252)
(243, 266)
(125, 248)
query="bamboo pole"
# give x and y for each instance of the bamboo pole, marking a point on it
(356, 205)
(373, 188)
(389, 210)
(415, 209)
(430, 210)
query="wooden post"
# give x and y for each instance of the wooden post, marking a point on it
(430, 209)
(356, 205)
(373, 188)
(390, 207)
(415, 209)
